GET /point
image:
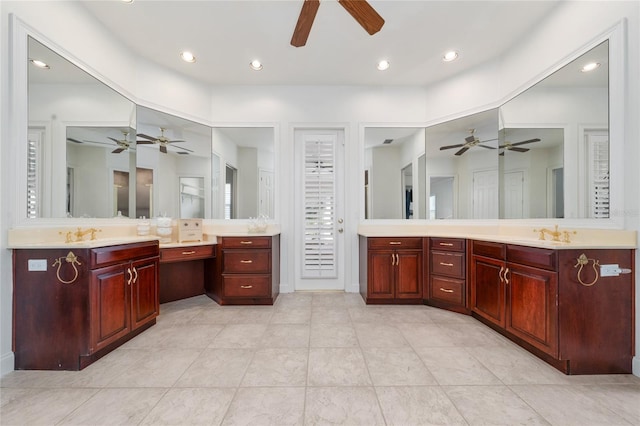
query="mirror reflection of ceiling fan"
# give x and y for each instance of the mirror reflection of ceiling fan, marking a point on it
(508, 146)
(163, 141)
(469, 142)
(123, 144)
(361, 11)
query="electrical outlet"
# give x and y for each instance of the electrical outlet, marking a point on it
(37, 264)
(612, 270)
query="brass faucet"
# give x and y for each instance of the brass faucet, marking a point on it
(555, 234)
(80, 233)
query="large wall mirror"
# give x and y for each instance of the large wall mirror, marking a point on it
(173, 166)
(244, 165)
(543, 154)
(76, 127)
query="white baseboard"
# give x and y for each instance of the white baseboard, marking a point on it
(6, 363)
(286, 288)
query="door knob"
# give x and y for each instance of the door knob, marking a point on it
(341, 230)
(340, 220)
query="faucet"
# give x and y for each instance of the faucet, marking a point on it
(555, 234)
(80, 233)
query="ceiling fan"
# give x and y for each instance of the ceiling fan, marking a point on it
(508, 146)
(470, 141)
(361, 11)
(163, 141)
(123, 144)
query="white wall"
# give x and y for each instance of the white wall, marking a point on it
(572, 26)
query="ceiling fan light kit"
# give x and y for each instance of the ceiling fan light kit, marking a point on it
(360, 10)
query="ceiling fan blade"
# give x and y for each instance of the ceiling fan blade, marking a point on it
(501, 154)
(163, 149)
(366, 15)
(182, 153)
(117, 150)
(524, 142)
(518, 149)
(115, 140)
(486, 146)
(462, 151)
(184, 149)
(142, 135)
(305, 21)
(74, 140)
(451, 146)
(177, 140)
(145, 142)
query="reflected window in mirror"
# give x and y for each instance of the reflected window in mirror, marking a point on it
(394, 173)
(230, 193)
(555, 144)
(144, 192)
(66, 102)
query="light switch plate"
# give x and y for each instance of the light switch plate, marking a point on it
(37, 264)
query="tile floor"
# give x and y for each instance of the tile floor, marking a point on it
(317, 358)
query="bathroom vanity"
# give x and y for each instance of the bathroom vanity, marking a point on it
(553, 298)
(73, 305)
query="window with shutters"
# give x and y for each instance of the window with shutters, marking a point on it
(598, 174)
(33, 175)
(319, 192)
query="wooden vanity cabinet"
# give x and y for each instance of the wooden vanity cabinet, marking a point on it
(248, 271)
(64, 321)
(182, 271)
(394, 269)
(447, 272)
(533, 296)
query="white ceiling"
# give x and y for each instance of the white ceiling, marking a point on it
(226, 35)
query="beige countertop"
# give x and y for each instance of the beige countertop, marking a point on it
(527, 236)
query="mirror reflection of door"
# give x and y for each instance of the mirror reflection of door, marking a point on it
(265, 193)
(144, 192)
(441, 197)
(557, 189)
(407, 192)
(230, 195)
(120, 193)
(191, 197)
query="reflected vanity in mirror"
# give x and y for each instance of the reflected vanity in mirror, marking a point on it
(65, 104)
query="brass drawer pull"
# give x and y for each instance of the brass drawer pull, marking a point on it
(246, 242)
(446, 264)
(395, 243)
(447, 244)
(246, 286)
(189, 252)
(446, 290)
(246, 261)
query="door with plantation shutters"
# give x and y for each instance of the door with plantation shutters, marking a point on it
(319, 214)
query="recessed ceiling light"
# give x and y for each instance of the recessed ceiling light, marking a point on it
(38, 63)
(451, 55)
(127, 1)
(187, 56)
(383, 65)
(255, 65)
(590, 66)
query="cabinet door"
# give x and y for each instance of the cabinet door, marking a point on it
(144, 290)
(487, 289)
(381, 264)
(408, 275)
(110, 313)
(532, 311)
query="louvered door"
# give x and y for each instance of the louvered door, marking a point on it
(319, 217)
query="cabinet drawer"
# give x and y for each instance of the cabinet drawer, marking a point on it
(246, 285)
(447, 263)
(532, 256)
(447, 244)
(108, 255)
(489, 249)
(395, 243)
(183, 254)
(246, 242)
(447, 289)
(246, 261)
